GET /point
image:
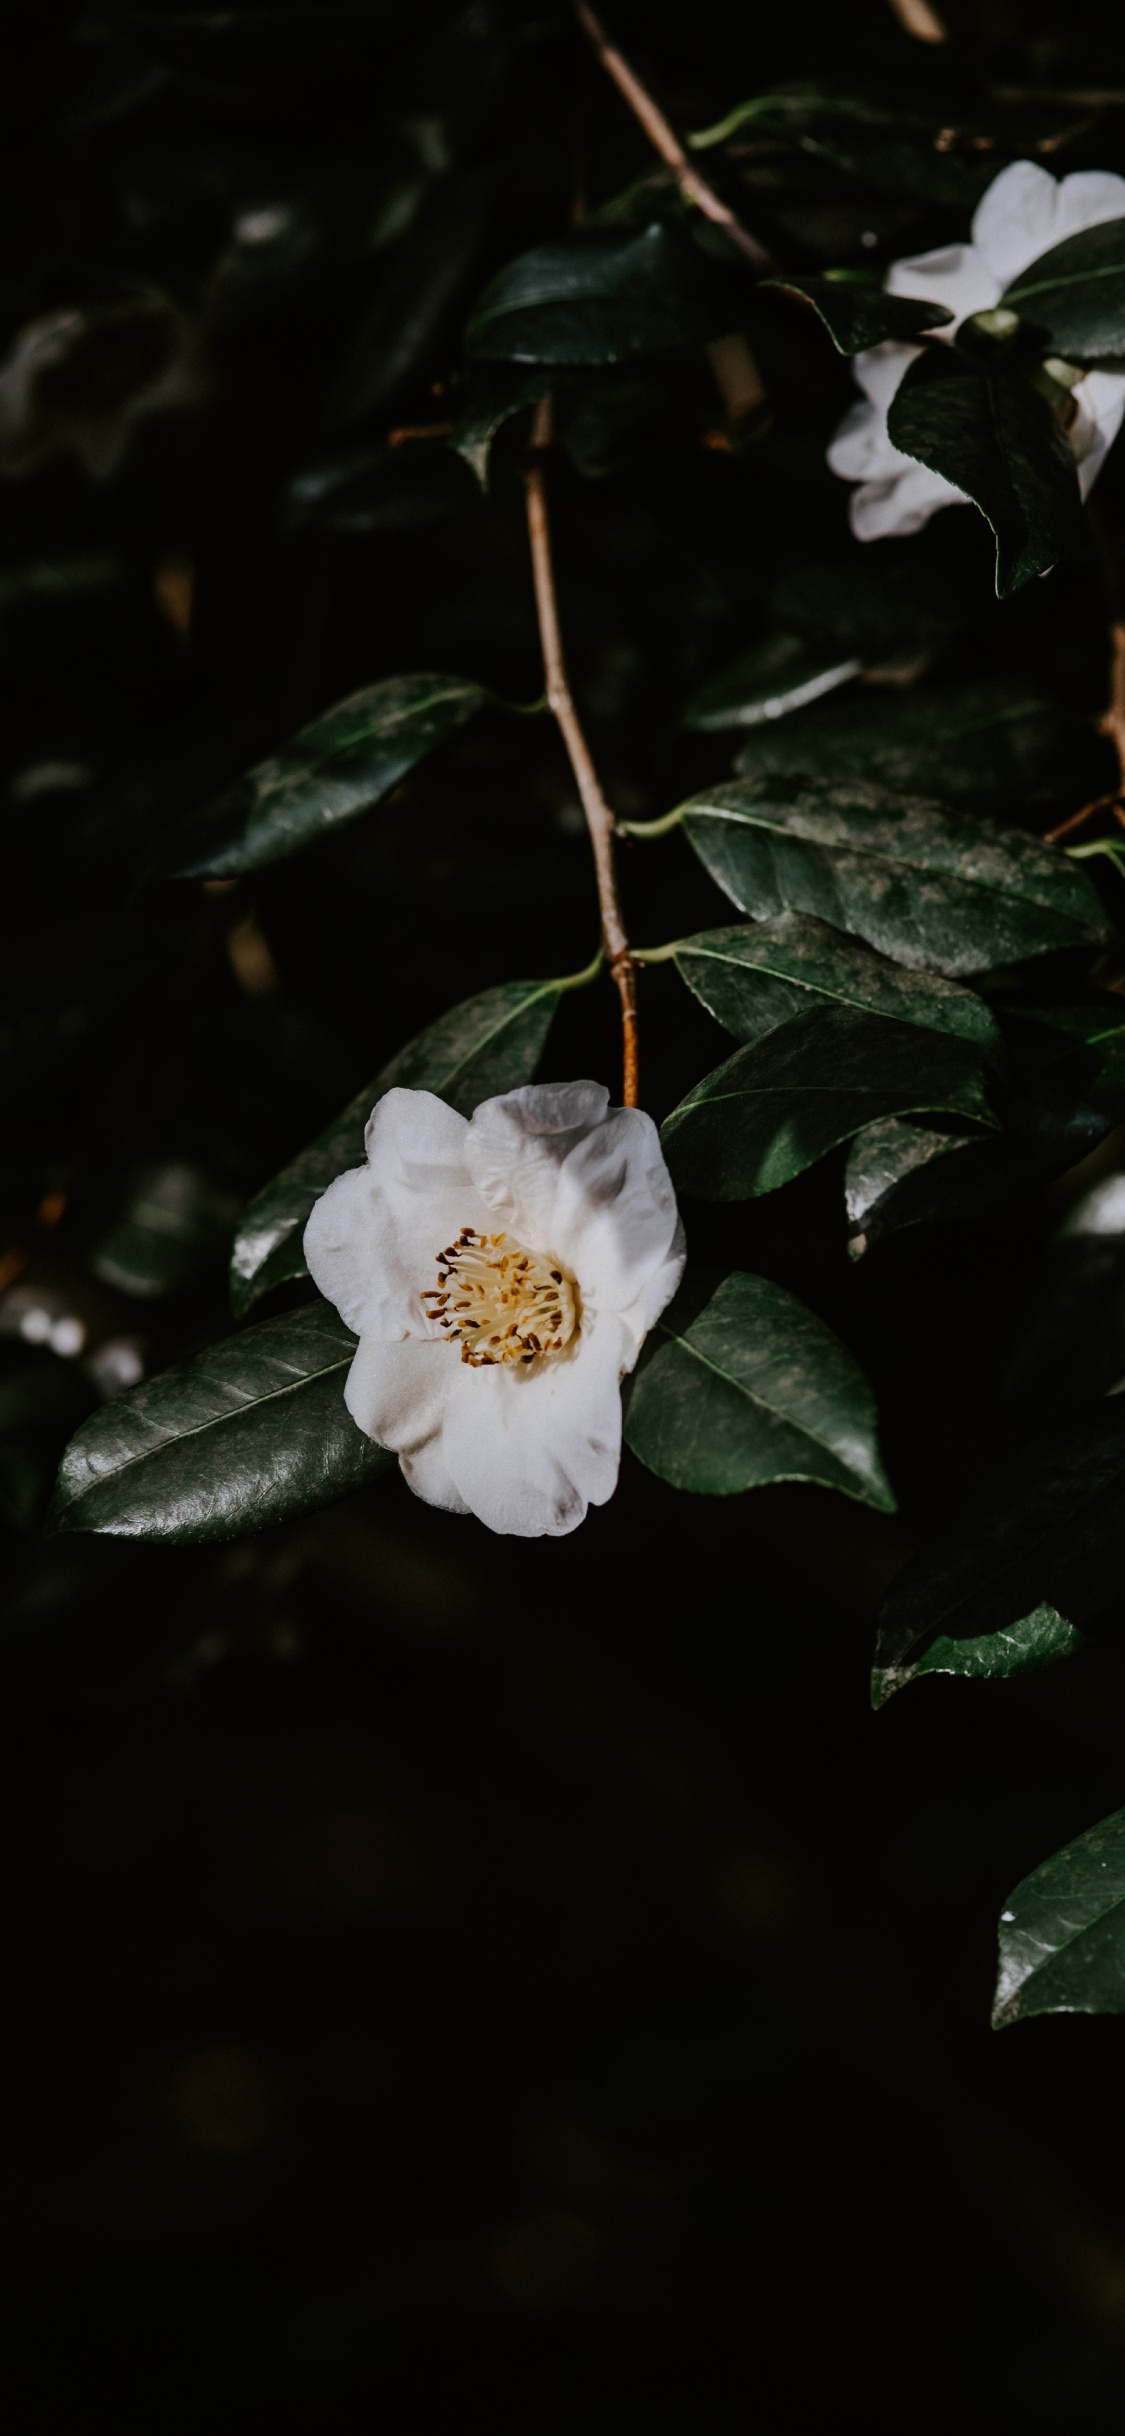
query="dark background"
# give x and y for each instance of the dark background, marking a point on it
(446, 1975)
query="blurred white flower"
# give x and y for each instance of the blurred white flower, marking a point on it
(1024, 213)
(76, 381)
(501, 1274)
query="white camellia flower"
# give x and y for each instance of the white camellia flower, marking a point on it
(1024, 213)
(501, 1274)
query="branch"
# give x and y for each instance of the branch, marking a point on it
(1113, 723)
(599, 818)
(918, 18)
(693, 187)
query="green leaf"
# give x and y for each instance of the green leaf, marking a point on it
(486, 1045)
(599, 300)
(856, 313)
(379, 490)
(249, 1433)
(996, 439)
(755, 1389)
(327, 774)
(1074, 296)
(768, 681)
(923, 884)
(879, 610)
(495, 393)
(1067, 1091)
(1070, 1345)
(1018, 1649)
(172, 1228)
(1047, 1535)
(776, 1107)
(982, 743)
(1062, 1933)
(753, 976)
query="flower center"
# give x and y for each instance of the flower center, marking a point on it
(499, 1302)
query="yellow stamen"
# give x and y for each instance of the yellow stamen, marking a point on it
(520, 1305)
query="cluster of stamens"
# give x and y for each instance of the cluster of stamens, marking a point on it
(499, 1302)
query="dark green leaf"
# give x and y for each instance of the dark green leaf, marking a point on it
(879, 609)
(777, 1106)
(380, 490)
(599, 300)
(767, 682)
(1018, 1649)
(1071, 1342)
(486, 1045)
(754, 976)
(1066, 1092)
(172, 1228)
(1074, 296)
(980, 743)
(756, 1389)
(249, 1433)
(328, 774)
(1048, 1534)
(428, 273)
(996, 439)
(923, 884)
(1062, 1933)
(495, 393)
(856, 313)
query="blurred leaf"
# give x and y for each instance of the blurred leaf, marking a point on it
(328, 774)
(1071, 1342)
(1066, 1092)
(768, 681)
(753, 976)
(1047, 1535)
(251, 1432)
(422, 284)
(755, 1389)
(599, 300)
(980, 743)
(777, 1106)
(171, 1230)
(916, 171)
(923, 884)
(42, 1400)
(1074, 296)
(495, 393)
(487, 1045)
(856, 313)
(1018, 1649)
(996, 439)
(879, 609)
(380, 490)
(1062, 1933)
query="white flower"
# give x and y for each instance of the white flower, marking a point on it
(501, 1274)
(1024, 213)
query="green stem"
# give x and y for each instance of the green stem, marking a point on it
(649, 828)
(579, 981)
(1112, 847)
(658, 955)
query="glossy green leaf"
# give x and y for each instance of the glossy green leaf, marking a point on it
(599, 300)
(983, 743)
(992, 435)
(1074, 296)
(495, 393)
(329, 773)
(1062, 1932)
(486, 1045)
(777, 1106)
(379, 490)
(1047, 1535)
(251, 1432)
(1064, 1094)
(856, 313)
(754, 976)
(923, 884)
(1018, 1649)
(769, 681)
(755, 1388)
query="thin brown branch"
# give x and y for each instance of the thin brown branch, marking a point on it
(1113, 723)
(599, 818)
(662, 137)
(918, 18)
(1101, 803)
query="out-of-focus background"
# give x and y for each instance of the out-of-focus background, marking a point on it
(447, 1974)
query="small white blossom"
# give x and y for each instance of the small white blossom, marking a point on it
(1024, 213)
(501, 1274)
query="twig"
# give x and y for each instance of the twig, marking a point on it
(1101, 803)
(1113, 724)
(694, 188)
(918, 18)
(599, 818)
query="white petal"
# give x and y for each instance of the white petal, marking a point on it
(1015, 221)
(878, 370)
(349, 1247)
(1085, 198)
(654, 1296)
(516, 1146)
(426, 1472)
(900, 505)
(862, 450)
(399, 1393)
(1101, 403)
(953, 275)
(410, 1133)
(615, 1212)
(530, 1450)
